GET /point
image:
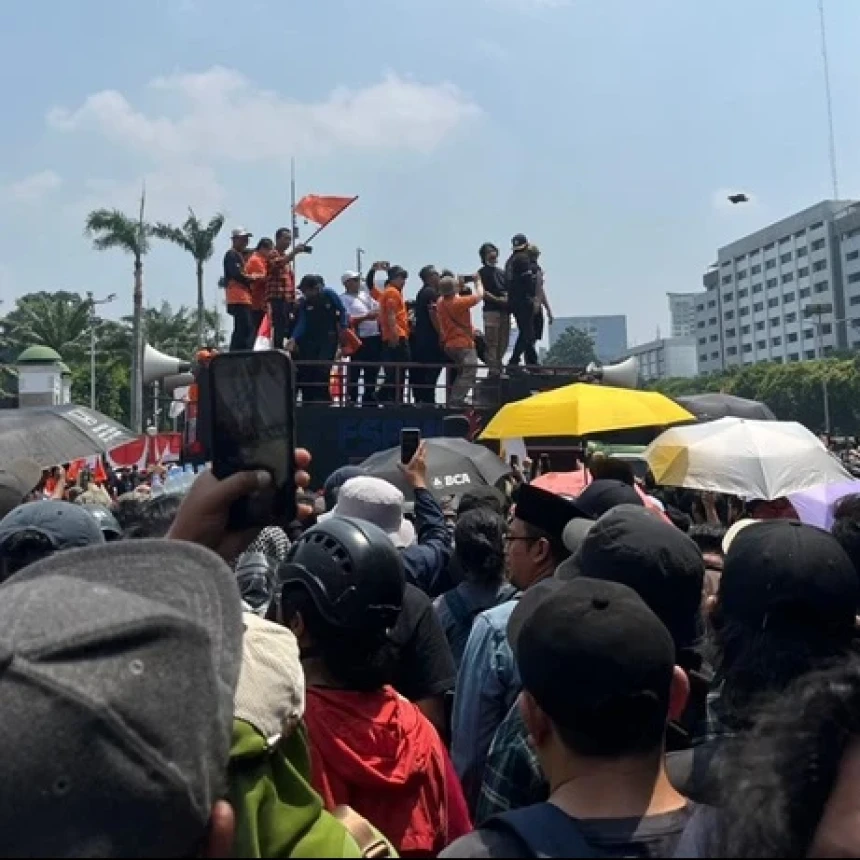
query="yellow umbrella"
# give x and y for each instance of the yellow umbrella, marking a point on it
(583, 409)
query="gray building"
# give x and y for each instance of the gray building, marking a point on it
(666, 358)
(609, 333)
(752, 307)
(682, 313)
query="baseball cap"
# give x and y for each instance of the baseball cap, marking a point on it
(604, 494)
(633, 546)
(616, 657)
(349, 276)
(520, 242)
(64, 525)
(575, 533)
(787, 574)
(118, 668)
(239, 232)
(17, 479)
(545, 510)
(735, 529)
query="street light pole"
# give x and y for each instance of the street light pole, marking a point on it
(93, 303)
(814, 314)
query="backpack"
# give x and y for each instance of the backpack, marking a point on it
(544, 831)
(278, 814)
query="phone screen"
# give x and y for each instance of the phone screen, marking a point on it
(515, 461)
(410, 439)
(253, 427)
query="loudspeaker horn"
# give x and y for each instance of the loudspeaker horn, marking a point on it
(625, 374)
(157, 365)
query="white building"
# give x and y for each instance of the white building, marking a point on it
(752, 307)
(666, 358)
(682, 313)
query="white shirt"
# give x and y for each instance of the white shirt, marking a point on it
(359, 305)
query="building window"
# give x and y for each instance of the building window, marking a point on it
(726, 263)
(745, 311)
(745, 329)
(809, 354)
(712, 303)
(776, 341)
(822, 286)
(820, 266)
(804, 293)
(788, 298)
(712, 321)
(769, 246)
(788, 277)
(855, 300)
(791, 318)
(801, 252)
(807, 334)
(792, 338)
(757, 288)
(755, 270)
(772, 282)
(747, 347)
(700, 308)
(703, 358)
(730, 332)
(826, 328)
(852, 255)
(761, 344)
(753, 254)
(714, 338)
(742, 294)
(800, 234)
(774, 302)
(728, 297)
(818, 244)
(816, 226)
(741, 274)
(702, 341)
(740, 259)
(785, 258)
(715, 355)
(785, 240)
(732, 350)
(854, 279)
(770, 264)
(759, 326)
(729, 315)
(803, 273)
(758, 306)
(700, 324)
(727, 279)
(774, 322)
(794, 356)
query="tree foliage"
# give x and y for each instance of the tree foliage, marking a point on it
(574, 348)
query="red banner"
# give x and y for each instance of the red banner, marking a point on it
(146, 451)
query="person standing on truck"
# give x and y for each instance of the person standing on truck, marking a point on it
(521, 280)
(238, 284)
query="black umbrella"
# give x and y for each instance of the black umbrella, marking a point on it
(710, 407)
(51, 435)
(454, 466)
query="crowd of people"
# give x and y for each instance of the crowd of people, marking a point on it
(631, 672)
(372, 322)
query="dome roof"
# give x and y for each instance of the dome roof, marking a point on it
(39, 354)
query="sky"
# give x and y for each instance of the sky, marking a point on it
(609, 131)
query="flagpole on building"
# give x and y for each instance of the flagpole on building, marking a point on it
(294, 224)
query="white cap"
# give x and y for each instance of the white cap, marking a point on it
(349, 276)
(239, 232)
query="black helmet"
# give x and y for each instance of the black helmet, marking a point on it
(108, 523)
(255, 576)
(352, 572)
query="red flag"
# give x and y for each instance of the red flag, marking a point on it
(322, 210)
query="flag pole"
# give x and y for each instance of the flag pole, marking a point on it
(294, 224)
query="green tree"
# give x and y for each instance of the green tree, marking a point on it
(58, 320)
(575, 348)
(111, 229)
(199, 241)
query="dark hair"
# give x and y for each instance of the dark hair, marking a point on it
(23, 549)
(282, 231)
(708, 537)
(484, 497)
(397, 272)
(557, 548)
(425, 272)
(485, 250)
(846, 527)
(360, 662)
(479, 546)
(265, 244)
(778, 777)
(612, 468)
(310, 281)
(152, 518)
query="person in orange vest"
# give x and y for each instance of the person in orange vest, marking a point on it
(394, 325)
(456, 334)
(239, 285)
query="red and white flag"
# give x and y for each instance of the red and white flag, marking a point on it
(264, 335)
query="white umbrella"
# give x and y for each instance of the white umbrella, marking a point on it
(751, 459)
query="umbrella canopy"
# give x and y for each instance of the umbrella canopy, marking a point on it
(583, 409)
(752, 459)
(454, 466)
(815, 507)
(712, 406)
(58, 434)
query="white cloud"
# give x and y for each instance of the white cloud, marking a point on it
(220, 115)
(720, 200)
(33, 188)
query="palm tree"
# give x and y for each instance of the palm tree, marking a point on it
(199, 241)
(109, 229)
(60, 321)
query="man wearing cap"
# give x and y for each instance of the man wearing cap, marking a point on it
(363, 311)
(238, 284)
(521, 282)
(17, 480)
(599, 687)
(487, 682)
(118, 673)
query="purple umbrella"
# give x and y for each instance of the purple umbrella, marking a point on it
(815, 506)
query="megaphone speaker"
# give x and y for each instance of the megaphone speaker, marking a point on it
(157, 365)
(625, 374)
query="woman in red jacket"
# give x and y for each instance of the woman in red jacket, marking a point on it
(371, 749)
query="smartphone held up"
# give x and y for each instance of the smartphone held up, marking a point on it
(410, 440)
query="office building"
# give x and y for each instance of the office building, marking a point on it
(609, 333)
(752, 309)
(666, 358)
(682, 313)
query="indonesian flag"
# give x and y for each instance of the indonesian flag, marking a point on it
(264, 335)
(322, 210)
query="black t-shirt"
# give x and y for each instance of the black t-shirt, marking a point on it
(493, 280)
(426, 666)
(520, 278)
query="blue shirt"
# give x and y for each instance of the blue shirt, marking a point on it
(320, 316)
(426, 562)
(488, 683)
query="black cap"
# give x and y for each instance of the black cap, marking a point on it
(604, 494)
(352, 571)
(637, 548)
(785, 573)
(545, 510)
(589, 645)
(520, 242)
